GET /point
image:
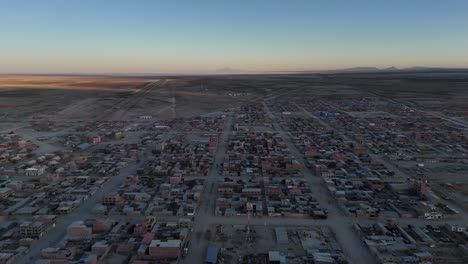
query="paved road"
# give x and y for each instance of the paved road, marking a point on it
(13, 129)
(56, 234)
(462, 214)
(350, 241)
(461, 123)
(459, 219)
(204, 217)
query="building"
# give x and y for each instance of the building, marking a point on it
(5, 192)
(212, 254)
(274, 257)
(96, 140)
(169, 249)
(7, 258)
(102, 225)
(110, 199)
(34, 171)
(213, 144)
(78, 228)
(56, 253)
(100, 248)
(49, 178)
(46, 219)
(32, 229)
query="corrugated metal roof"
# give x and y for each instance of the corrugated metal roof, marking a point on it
(212, 254)
(281, 235)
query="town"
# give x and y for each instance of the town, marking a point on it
(316, 173)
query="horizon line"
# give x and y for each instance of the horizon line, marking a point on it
(357, 69)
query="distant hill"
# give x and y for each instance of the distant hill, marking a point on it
(384, 70)
(359, 69)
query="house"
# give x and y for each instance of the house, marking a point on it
(168, 249)
(32, 229)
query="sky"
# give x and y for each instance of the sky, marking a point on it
(205, 36)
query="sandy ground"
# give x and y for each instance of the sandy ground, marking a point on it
(83, 98)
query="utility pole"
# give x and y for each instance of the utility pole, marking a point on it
(249, 210)
(173, 99)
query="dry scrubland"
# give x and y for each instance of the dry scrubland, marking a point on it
(23, 98)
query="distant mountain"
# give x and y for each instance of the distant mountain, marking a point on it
(227, 70)
(427, 69)
(359, 69)
(390, 69)
(418, 68)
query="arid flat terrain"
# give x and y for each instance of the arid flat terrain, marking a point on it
(73, 98)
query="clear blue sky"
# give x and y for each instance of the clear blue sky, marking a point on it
(115, 36)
